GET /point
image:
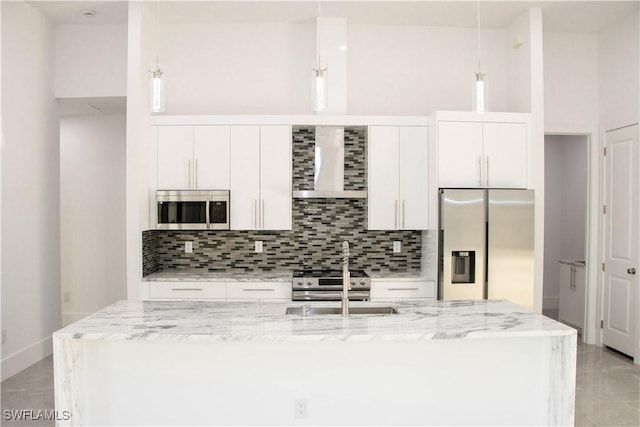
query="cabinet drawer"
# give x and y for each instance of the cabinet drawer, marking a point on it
(259, 290)
(188, 290)
(402, 290)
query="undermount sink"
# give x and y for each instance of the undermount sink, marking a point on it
(311, 310)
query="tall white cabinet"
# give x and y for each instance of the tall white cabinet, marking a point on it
(398, 178)
(260, 177)
(193, 157)
(483, 150)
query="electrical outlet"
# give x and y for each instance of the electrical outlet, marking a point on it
(188, 247)
(397, 246)
(4, 336)
(258, 246)
(300, 408)
(66, 296)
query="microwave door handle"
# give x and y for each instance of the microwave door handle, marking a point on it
(207, 213)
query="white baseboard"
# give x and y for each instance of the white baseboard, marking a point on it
(70, 317)
(26, 357)
(550, 303)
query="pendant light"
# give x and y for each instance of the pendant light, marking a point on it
(480, 82)
(157, 88)
(319, 83)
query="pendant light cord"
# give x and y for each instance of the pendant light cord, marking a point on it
(478, 16)
(318, 34)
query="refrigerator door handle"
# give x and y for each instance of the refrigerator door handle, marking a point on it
(395, 211)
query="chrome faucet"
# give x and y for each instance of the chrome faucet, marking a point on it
(346, 279)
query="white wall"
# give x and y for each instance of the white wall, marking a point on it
(238, 68)
(92, 226)
(519, 64)
(266, 68)
(411, 70)
(30, 188)
(571, 79)
(566, 183)
(91, 60)
(619, 70)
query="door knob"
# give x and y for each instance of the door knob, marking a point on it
(631, 271)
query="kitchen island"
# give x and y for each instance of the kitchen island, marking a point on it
(207, 363)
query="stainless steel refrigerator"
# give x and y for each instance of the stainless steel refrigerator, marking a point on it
(486, 245)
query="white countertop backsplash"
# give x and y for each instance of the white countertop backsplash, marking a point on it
(211, 321)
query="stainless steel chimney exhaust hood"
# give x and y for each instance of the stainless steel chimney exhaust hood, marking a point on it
(328, 173)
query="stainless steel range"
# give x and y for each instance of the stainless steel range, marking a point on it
(326, 285)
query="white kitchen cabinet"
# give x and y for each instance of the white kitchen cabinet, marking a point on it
(258, 291)
(400, 290)
(215, 291)
(398, 178)
(482, 154)
(260, 177)
(571, 301)
(193, 157)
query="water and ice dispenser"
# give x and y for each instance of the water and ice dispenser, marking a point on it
(463, 266)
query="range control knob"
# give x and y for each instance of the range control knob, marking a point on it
(362, 283)
(353, 283)
(309, 283)
(300, 283)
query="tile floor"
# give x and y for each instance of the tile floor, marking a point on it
(607, 389)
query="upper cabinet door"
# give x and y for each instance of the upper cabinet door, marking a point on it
(245, 177)
(384, 177)
(175, 157)
(414, 178)
(505, 155)
(211, 157)
(460, 155)
(275, 178)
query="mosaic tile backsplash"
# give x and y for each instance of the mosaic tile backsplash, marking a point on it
(319, 227)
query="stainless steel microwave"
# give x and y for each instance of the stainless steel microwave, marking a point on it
(193, 209)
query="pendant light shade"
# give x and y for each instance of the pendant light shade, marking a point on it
(157, 83)
(319, 88)
(480, 92)
(157, 96)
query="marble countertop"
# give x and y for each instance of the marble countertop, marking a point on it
(258, 276)
(227, 276)
(211, 321)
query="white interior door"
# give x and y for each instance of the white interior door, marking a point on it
(621, 240)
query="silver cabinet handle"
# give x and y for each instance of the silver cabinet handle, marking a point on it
(486, 172)
(480, 171)
(189, 172)
(402, 213)
(402, 289)
(395, 210)
(187, 289)
(262, 215)
(195, 173)
(258, 289)
(255, 214)
(631, 271)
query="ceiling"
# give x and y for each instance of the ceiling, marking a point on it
(558, 16)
